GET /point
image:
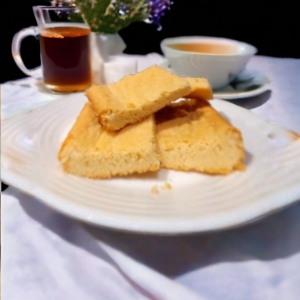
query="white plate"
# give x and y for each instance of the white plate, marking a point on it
(196, 202)
(248, 84)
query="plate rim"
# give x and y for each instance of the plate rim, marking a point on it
(247, 219)
(15, 181)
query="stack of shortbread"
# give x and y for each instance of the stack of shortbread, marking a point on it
(137, 125)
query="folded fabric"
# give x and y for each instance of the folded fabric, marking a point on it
(46, 255)
(49, 256)
(121, 65)
(117, 68)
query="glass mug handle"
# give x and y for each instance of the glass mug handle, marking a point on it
(16, 46)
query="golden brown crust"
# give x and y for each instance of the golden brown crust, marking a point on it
(135, 97)
(105, 104)
(192, 136)
(295, 135)
(201, 88)
(91, 151)
(189, 135)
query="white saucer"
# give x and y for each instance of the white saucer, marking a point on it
(248, 84)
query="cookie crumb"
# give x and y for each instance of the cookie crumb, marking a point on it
(167, 186)
(154, 191)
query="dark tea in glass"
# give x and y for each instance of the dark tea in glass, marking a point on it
(65, 48)
(65, 54)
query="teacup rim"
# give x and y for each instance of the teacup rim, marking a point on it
(167, 41)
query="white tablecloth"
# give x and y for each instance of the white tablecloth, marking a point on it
(46, 255)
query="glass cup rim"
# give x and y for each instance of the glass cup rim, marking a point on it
(42, 7)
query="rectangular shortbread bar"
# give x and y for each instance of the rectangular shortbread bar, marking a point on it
(192, 136)
(91, 151)
(136, 97)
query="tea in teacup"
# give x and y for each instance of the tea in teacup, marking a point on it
(219, 60)
(206, 48)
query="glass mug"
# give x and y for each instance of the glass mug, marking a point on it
(65, 49)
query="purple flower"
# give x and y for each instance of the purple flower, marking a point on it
(157, 8)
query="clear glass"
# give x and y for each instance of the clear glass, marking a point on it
(65, 49)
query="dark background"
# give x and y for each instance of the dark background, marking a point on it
(272, 26)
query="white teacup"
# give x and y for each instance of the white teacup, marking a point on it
(220, 68)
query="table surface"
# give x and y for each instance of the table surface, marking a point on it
(48, 256)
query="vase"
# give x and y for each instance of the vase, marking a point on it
(102, 47)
